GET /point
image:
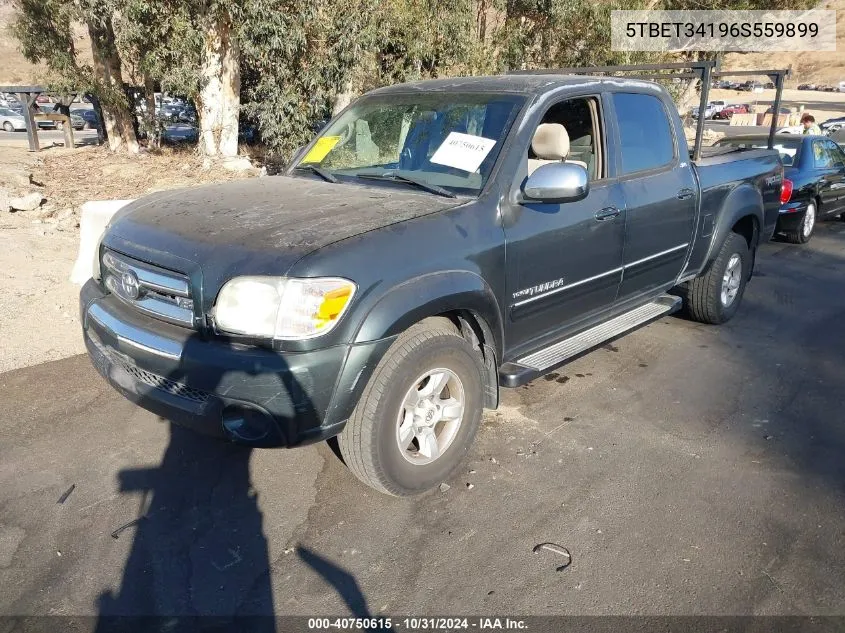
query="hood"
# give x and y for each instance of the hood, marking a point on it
(257, 226)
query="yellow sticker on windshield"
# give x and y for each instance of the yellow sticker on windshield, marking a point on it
(321, 148)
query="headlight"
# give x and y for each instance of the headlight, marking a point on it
(282, 308)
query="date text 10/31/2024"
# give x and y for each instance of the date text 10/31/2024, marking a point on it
(415, 624)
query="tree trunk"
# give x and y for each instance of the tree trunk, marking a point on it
(343, 98)
(150, 118)
(219, 98)
(117, 117)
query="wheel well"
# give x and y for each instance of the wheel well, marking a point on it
(478, 333)
(747, 228)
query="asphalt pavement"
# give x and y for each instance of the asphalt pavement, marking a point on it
(689, 469)
(47, 138)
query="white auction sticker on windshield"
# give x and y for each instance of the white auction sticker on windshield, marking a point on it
(463, 151)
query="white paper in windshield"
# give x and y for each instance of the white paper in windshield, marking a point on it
(463, 151)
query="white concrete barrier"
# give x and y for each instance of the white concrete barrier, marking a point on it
(92, 224)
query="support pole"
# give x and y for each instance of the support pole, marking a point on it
(27, 99)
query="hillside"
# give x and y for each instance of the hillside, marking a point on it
(817, 68)
(14, 69)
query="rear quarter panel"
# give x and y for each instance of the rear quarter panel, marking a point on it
(734, 186)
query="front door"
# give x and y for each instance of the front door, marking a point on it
(660, 194)
(564, 262)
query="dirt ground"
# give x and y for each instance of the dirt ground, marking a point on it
(38, 309)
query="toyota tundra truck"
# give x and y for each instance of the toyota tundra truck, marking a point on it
(436, 242)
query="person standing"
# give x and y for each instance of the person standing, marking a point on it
(808, 121)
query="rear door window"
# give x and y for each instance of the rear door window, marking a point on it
(836, 155)
(821, 156)
(645, 135)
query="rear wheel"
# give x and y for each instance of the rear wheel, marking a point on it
(715, 296)
(802, 233)
(419, 412)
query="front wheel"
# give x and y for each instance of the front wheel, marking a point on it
(8, 127)
(419, 412)
(802, 233)
(715, 296)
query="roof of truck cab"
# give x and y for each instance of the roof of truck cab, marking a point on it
(524, 84)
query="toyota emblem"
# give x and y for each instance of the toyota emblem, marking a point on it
(129, 283)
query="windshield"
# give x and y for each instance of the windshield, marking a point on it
(445, 140)
(788, 150)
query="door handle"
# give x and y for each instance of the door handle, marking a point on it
(607, 213)
(685, 194)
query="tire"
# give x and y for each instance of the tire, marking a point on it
(802, 233)
(704, 295)
(371, 443)
(8, 127)
(60, 126)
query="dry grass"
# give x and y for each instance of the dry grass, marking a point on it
(71, 178)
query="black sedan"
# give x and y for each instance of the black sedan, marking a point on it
(813, 184)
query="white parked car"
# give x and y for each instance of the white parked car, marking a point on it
(11, 121)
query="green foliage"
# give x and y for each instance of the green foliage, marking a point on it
(297, 56)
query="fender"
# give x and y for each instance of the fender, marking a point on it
(428, 295)
(745, 200)
(397, 310)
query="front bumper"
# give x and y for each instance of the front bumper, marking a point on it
(246, 394)
(791, 216)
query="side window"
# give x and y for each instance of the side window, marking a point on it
(646, 138)
(836, 154)
(570, 132)
(821, 157)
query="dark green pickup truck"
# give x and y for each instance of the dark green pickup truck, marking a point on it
(437, 241)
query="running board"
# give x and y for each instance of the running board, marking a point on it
(534, 365)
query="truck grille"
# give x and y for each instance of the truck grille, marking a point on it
(149, 289)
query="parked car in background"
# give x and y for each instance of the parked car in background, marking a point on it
(89, 117)
(76, 121)
(806, 87)
(729, 110)
(781, 110)
(708, 112)
(832, 125)
(169, 112)
(814, 180)
(712, 108)
(179, 133)
(11, 121)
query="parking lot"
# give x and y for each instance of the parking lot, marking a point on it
(689, 469)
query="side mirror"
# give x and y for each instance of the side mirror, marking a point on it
(557, 182)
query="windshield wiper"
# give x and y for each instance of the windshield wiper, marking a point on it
(392, 175)
(322, 173)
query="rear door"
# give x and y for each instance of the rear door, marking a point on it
(830, 163)
(660, 193)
